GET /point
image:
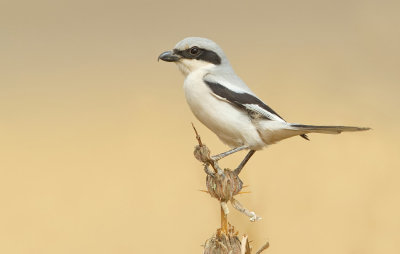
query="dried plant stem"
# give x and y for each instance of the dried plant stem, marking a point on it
(243, 244)
(224, 221)
(197, 135)
(223, 185)
(264, 247)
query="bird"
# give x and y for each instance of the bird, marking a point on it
(221, 101)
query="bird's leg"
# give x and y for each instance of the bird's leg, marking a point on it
(222, 155)
(244, 161)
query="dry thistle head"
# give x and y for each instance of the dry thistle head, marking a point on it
(202, 153)
(229, 243)
(224, 187)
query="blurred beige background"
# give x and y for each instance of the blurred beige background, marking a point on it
(96, 143)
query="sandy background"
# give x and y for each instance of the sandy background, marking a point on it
(96, 143)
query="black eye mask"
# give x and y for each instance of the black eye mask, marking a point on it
(199, 54)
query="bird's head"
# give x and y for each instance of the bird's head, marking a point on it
(194, 53)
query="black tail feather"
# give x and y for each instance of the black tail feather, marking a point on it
(305, 137)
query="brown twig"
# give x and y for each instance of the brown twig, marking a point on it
(197, 136)
(224, 218)
(202, 153)
(224, 185)
(243, 244)
(264, 247)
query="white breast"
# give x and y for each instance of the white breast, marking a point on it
(232, 125)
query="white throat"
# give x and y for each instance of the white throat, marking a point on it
(186, 66)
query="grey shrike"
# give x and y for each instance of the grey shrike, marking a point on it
(223, 102)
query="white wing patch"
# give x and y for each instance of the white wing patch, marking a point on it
(259, 110)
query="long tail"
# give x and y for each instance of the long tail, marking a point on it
(274, 131)
(325, 129)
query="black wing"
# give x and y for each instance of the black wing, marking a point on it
(243, 100)
(254, 106)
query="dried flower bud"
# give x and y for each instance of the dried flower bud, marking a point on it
(202, 153)
(221, 243)
(224, 187)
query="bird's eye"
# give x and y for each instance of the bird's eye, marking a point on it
(194, 50)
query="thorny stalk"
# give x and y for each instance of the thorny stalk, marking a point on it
(223, 185)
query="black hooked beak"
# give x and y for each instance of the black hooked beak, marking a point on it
(168, 56)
